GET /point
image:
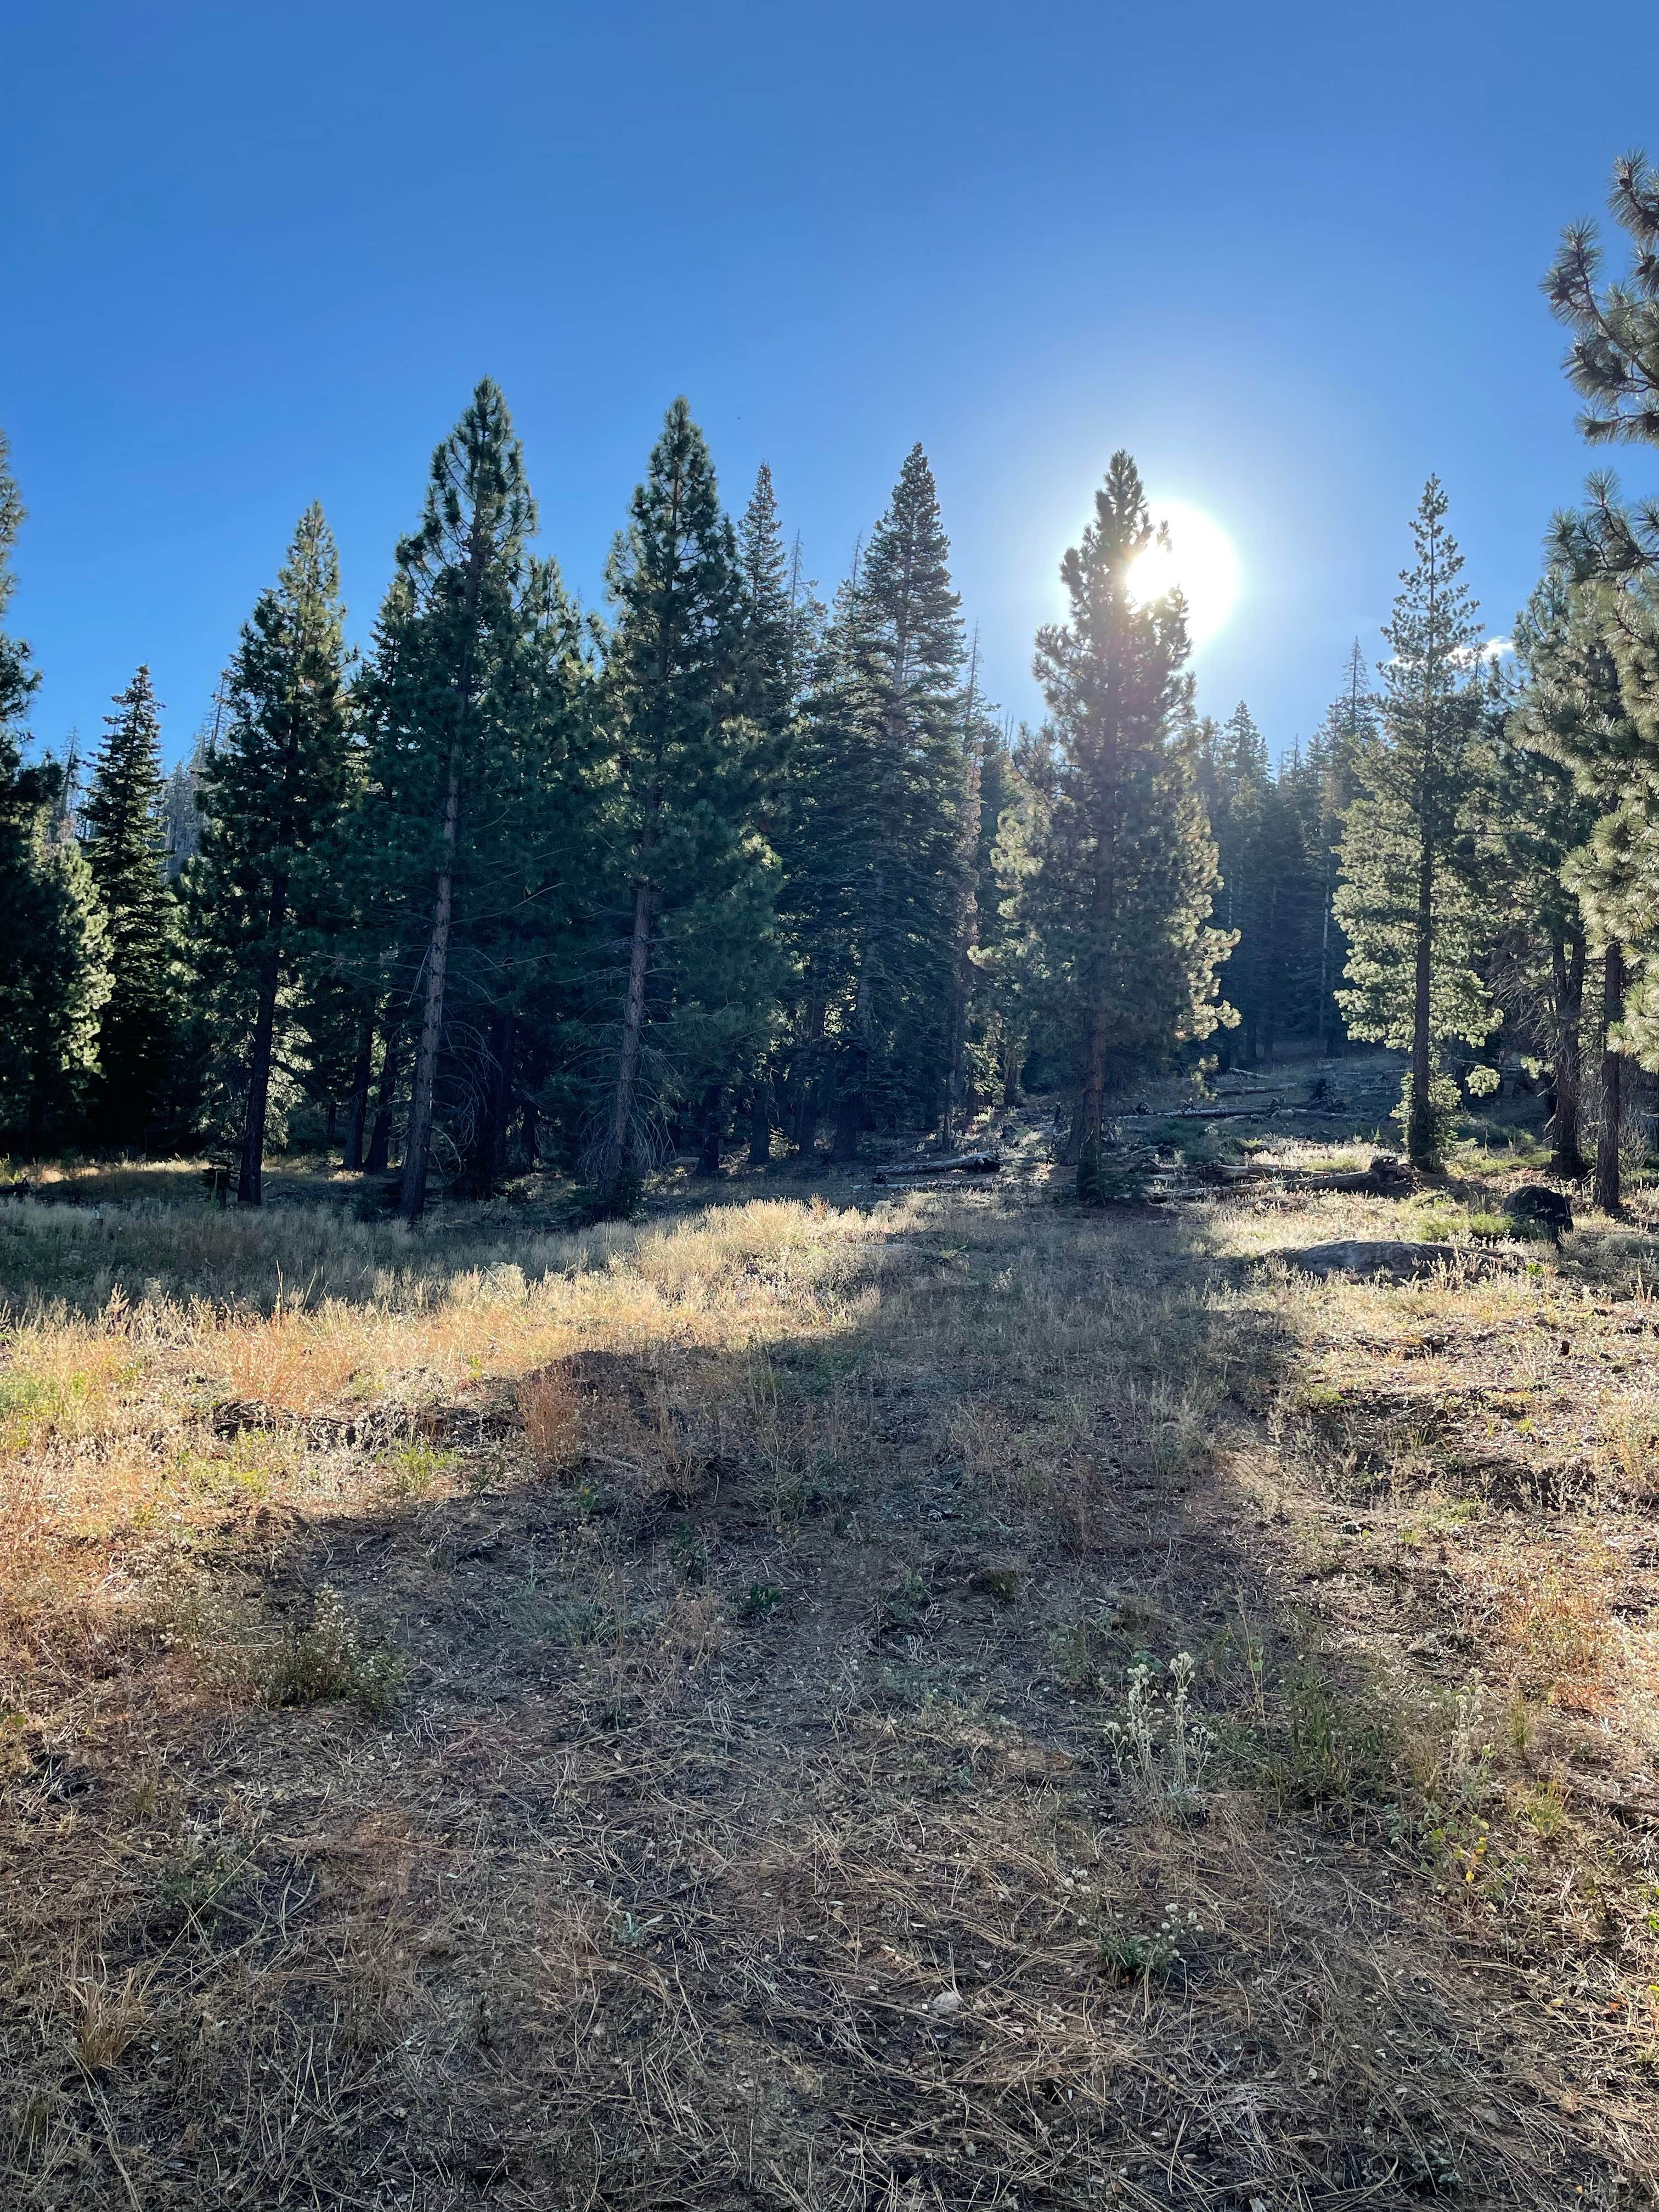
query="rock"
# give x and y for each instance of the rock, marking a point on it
(1001, 1582)
(946, 2003)
(1536, 1206)
(1361, 1256)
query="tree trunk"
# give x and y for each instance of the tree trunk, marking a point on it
(251, 1179)
(379, 1143)
(621, 1148)
(1607, 1189)
(1567, 1158)
(849, 1121)
(357, 1124)
(709, 1135)
(417, 1144)
(500, 1092)
(962, 981)
(851, 1105)
(1091, 1112)
(760, 1122)
(1421, 1148)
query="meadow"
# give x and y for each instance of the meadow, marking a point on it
(827, 1698)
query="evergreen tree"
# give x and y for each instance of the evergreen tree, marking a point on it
(683, 803)
(1124, 892)
(1408, 899)
(431, 699)
(123, 837)
(1614, 361)
(877, 849)
(1349, 726)
(53, 973)
(270, 792)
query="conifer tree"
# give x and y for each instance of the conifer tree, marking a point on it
(1349, 725)
(123, 836)
(1411, 840)
(1124, 892)
(53, 971)
(876, 845)
(430, 701)
(683, 803)
(777, 632)
(270, 793)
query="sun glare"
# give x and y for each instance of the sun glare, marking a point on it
(1199, 559)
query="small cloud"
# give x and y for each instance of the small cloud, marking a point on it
(1496, 647)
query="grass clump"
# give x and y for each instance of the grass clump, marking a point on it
(332, 1661)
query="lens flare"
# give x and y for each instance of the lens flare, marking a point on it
(1198, 560)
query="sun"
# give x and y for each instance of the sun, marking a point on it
(1199, 559)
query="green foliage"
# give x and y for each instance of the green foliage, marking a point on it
(694, 888)
(1121, 897)
(54, 973)
(269, 795)
(331, 1661)
(1415, 839)
(873, 844)
(123, 836)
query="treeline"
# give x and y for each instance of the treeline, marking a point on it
(522, 885)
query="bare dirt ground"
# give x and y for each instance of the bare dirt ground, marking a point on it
(822, 1701)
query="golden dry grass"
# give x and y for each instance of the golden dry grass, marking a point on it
(650, 1717)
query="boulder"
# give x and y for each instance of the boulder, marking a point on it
(1535, 1206)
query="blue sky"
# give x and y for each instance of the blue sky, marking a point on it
(1287, 255)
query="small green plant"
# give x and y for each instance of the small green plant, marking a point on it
(198, 1882)
(762, 1600)
(1131, 1955)
(415, 1470)
(332, 1661)
(1328, 1752)
(689, 1555)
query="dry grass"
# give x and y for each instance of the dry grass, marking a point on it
(926, 1702)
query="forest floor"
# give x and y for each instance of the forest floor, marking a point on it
(827, 1699)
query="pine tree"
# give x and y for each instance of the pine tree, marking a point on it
(1614, 361)
(451, 621)
(270, 793)
(1349, 726)
(777, 624)
(54, 972)
(1408, 899)
(123, 837)
(1123, 895)
(876, 844)
(682, 805)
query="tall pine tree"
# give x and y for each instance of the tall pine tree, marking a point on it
(682, 807)
(432, 702)
(1124, 892)
(1409, 899)
(877, 839)
(54, 970)
(122, 834)
(270, 792)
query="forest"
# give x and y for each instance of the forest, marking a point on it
(527, 884)
(764, 1444)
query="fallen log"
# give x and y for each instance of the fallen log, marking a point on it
(960, 1163)
(1204, 1113)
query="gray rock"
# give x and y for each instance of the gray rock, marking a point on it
(1360, 1256)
